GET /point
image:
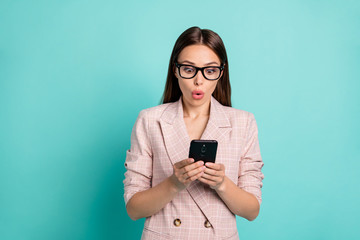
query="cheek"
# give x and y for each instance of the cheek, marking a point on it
(182, 85)
(213, 85)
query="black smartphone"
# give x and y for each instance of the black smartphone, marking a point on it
(204, 150)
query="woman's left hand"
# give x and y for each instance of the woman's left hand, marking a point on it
(213, 175)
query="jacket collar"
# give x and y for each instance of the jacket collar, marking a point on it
(217, 114)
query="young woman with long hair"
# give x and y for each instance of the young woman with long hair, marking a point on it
(179, 197)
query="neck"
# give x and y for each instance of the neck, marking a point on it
(192, 111)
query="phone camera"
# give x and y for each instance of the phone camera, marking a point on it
(203, 149)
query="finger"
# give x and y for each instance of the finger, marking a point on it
(219, 175)
(183, 163)
(211, 177)
(206, 181)
(211, 171)
(192, 166)
(195, 171)
(215, 166)
(193, 178)
(190, 170)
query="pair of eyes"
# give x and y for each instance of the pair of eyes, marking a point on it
(208, 70)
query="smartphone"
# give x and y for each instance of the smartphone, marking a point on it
(204, 150)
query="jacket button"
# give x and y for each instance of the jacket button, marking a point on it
(177, 222)
(207, 224)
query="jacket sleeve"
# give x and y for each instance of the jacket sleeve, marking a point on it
(250, 175)
(138, 161)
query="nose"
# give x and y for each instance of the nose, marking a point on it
(199, 79)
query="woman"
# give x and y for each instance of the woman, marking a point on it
(180, 198)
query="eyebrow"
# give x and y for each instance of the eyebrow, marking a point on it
(210, 63)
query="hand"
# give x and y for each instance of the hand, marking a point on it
(214, 175)
(185, 172)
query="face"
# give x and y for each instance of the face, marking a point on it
(197, 90)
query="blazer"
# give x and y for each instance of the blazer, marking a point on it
(159, 139)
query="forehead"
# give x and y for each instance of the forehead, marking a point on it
(199, 54)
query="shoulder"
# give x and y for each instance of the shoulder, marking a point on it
(148, 116)
(154, 112)
(230, 112)
(237, 114)
(238, 119)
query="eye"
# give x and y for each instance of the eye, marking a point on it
(188, 69)
(211, 70)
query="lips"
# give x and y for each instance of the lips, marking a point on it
(197, 94)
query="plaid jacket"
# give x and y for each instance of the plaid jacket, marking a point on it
(159, 139)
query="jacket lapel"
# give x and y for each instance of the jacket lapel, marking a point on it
(177, 144)
(175, 134)
(218, 125)
(217, 128)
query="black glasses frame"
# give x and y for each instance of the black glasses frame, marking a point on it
(178, 65)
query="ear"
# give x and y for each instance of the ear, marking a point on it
(222, 72)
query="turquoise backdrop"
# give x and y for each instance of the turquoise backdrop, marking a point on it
(75, 74)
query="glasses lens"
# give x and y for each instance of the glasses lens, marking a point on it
(187, 71)
(212, 73)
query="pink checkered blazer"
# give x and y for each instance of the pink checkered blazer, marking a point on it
(159, 139)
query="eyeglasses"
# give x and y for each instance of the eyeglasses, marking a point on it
(210, 73)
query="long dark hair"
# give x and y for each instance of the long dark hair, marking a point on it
(191, 36)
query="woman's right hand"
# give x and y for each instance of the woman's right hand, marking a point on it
(185, 172)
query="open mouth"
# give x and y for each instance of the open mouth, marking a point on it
(198, 94)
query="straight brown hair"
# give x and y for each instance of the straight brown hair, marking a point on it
(192, 36)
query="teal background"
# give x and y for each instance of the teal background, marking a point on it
(75, 74)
